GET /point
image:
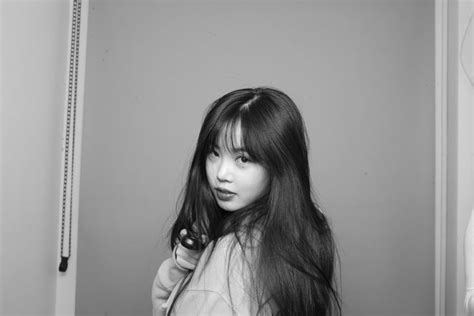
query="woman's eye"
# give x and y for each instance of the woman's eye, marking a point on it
(214, 153)
(244, 159)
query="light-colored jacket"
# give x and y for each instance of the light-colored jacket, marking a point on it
(219, 286)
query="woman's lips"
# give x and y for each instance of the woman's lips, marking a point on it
(224, 191)
(224, 195)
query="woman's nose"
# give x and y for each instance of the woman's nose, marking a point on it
(224, 171)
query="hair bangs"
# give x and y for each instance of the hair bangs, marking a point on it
(252, 139)
(224, 134)
(224, 129)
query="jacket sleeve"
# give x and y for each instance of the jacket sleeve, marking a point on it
(166, 278)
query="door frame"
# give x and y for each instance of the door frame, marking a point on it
(454, 152)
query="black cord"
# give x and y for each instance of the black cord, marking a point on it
(72, 101)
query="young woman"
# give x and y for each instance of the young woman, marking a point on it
(268, 247)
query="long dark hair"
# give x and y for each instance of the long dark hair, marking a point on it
(296, 251)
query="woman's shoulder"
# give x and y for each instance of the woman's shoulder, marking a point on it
(239, 244)
(222, 261)
(233, 250)
(223, 281)
(227, 248)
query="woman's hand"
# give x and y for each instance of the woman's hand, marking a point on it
(187, 259)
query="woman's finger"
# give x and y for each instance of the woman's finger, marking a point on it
(187, 253)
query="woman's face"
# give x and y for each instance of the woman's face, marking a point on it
(235, 180)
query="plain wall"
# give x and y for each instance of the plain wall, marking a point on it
(33, 57)
(362, 74)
